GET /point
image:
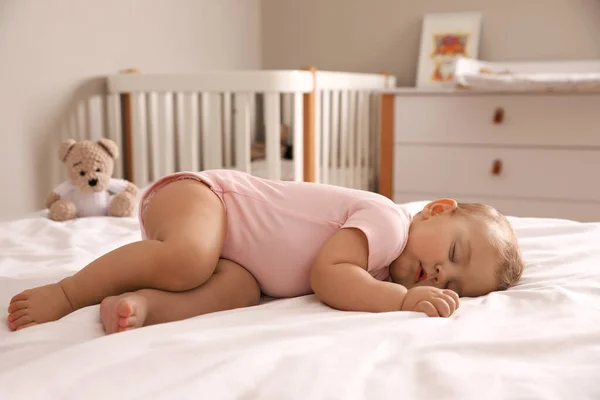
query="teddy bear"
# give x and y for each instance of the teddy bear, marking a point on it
(90, 189)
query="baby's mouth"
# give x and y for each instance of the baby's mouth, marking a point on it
(420, 274)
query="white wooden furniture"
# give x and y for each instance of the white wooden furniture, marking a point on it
(166, 123)
(528, 154)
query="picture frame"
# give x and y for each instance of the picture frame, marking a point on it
(444, 37)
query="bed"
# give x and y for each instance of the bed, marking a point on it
(540, 339)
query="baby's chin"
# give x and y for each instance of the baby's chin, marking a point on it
(398, 274)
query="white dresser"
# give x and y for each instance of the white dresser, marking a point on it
(529, 155)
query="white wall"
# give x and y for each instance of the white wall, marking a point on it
(50, 50)
(383, 35)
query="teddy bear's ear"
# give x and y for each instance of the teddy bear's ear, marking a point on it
(65, 149)
(110, 147)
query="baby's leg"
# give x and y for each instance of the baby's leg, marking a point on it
(231, 286)
(186, 226)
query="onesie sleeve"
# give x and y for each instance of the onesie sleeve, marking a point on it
(117, 185)
(386, 228)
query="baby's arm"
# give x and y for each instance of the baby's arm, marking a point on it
(340, 279)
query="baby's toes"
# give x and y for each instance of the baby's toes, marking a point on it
(125, 310)
(13, 316)
(21, 296)
(22, 321)
(17, 305)
(26, 325)
(127, 322)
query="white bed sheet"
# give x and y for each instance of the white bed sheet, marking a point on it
(538, 340)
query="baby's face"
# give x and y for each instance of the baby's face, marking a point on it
(447, 251)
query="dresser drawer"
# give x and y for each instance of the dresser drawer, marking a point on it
(549, 120)
(575, 211)
(557, 174)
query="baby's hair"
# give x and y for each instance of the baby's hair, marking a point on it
(504, 241)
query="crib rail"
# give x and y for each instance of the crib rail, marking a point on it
(273, 81)
(326, 121)
(205, 120)
(347, 135)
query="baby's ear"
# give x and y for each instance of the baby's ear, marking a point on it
(110, 147)
(65, 148)
(439, 206)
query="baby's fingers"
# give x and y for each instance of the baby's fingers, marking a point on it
(450, 301)
(443, 308)
(427, 308)
(452, 294)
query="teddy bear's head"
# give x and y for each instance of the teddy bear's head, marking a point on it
(89, 164)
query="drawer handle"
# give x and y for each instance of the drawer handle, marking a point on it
(497, 167)
(499, 115)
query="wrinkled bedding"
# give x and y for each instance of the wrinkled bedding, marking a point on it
(540, 339)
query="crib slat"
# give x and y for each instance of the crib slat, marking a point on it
(227, 139)
(86, 119)
(212, 147)
(114, 129)
(139, 139)
(335, 169)
(216, 131)
(287, 113)
(368, 134)
(153, 136)
(298, 138)
(352, 139)
(164, 151)
(356, 169)
(344, 128)
(242, 131)
(94, 118)
(318, 140)
(273, 135)
(187, 131)
(80, 131)
(252, 109)
(363, 141)
(326, 135)
(206, 139)
(104, 115)
(193, 132)
(374, 141)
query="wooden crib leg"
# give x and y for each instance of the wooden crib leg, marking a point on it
(309, 130)
(386, 146)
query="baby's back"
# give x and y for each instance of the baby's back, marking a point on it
(275, 228)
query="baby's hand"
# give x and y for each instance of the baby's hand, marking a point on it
(430, 300)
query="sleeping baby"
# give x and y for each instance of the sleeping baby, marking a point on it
(218, 239)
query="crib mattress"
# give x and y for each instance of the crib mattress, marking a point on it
(479, 75)
(538, 340)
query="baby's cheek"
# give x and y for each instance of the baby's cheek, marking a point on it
(428, 245)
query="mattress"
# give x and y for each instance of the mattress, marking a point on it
(479, 75)
(540, 339)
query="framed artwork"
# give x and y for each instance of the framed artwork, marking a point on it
(444, 37)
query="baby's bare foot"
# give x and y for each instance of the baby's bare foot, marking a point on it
(38, 305)
(122, 313)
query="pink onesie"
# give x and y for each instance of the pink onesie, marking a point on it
(276, 228)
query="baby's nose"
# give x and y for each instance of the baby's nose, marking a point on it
(438, 272)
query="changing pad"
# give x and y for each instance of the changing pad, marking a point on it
(476, 74)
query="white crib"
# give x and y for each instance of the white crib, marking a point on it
(171, 122)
